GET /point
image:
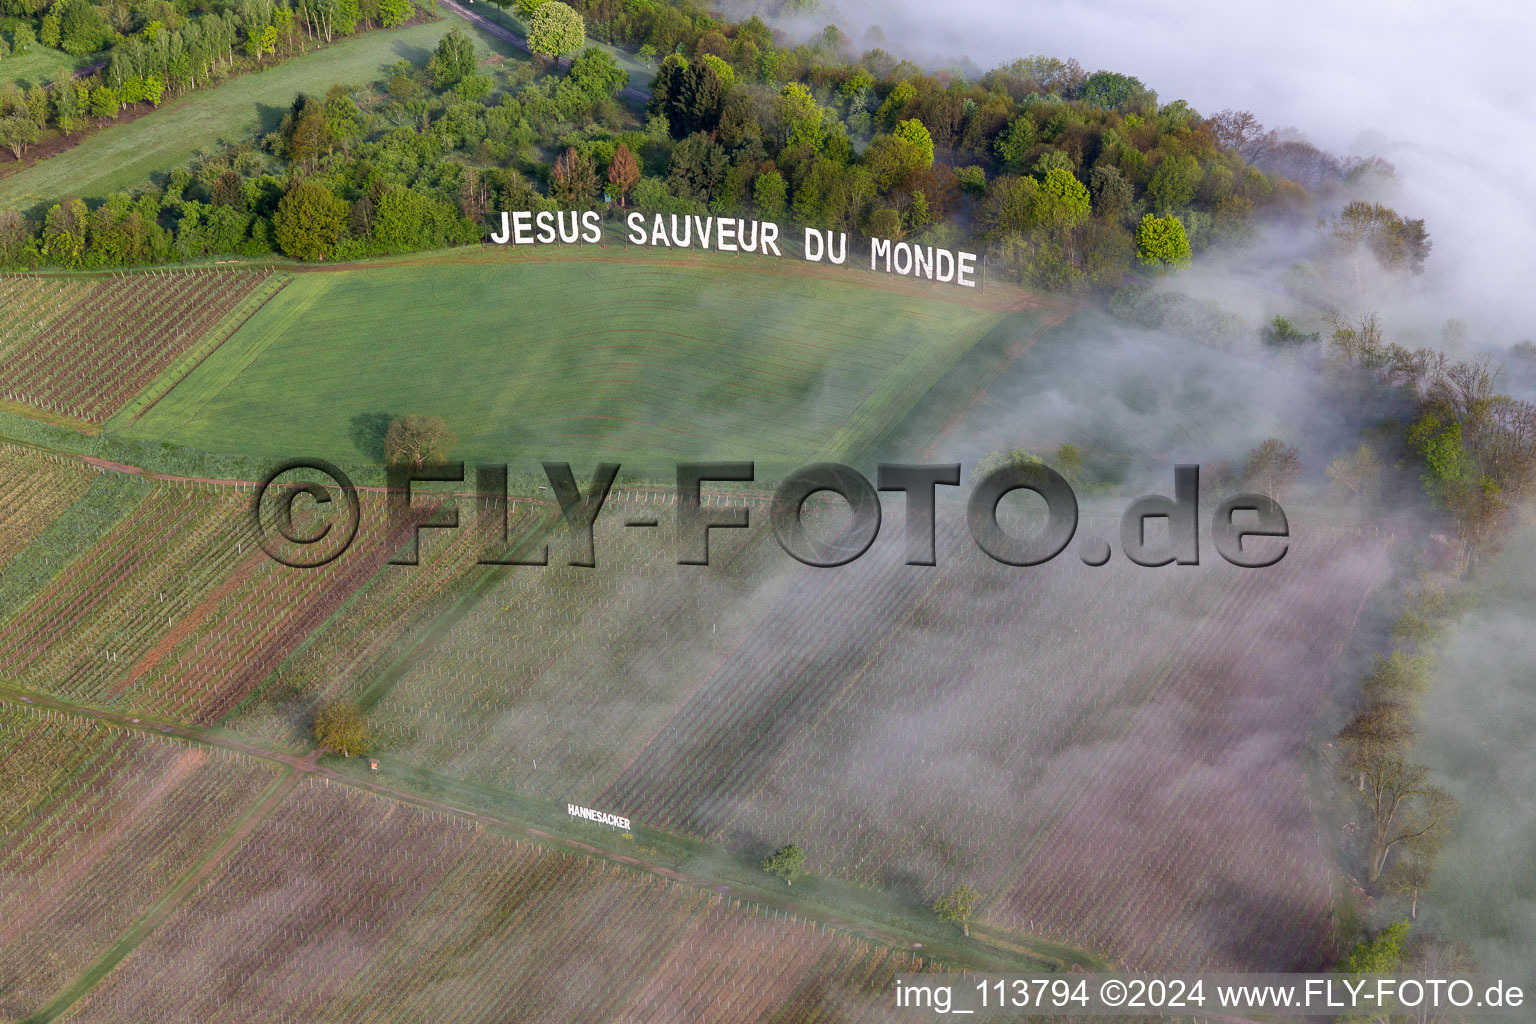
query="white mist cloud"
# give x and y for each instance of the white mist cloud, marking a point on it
(1440, 90)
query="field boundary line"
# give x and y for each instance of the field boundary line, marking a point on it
(190, 360)
(981, 957)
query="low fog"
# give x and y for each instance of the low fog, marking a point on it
(1440, 91)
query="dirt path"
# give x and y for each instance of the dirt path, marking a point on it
(976, 955)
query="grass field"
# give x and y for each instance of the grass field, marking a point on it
(40, 65)
(125, 156)
(640, 358)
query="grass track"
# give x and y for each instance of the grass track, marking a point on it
(124, 156)
(39, 66)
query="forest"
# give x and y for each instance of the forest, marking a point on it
(1068, 180)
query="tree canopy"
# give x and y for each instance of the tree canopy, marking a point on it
(556, 30)
(417, 441)
(785, 862)
(958, 906)
(341, 726)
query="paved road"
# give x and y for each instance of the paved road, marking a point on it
(521, 42)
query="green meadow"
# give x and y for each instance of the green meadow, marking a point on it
(125, 155)
(40, 65)
(627, 355)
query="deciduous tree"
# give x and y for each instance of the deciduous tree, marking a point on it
(341, 726)
(957, 907)
(785, 862)
(417, 441)
(17, 133)
(623, 173)
(598, 74)
(1356, 473)
(1161, 241)
(556, 31)
(770, 195)
(453, 60)
(1272, 467)
(309, 221)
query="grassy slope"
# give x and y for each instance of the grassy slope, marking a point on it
(39, 65)
(632, 355)
(124, 156)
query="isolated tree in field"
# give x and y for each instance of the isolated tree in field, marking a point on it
(22, 39)
(556, 31)
(417, 441)
(309, 220)
(1272, 467)
(957, 906)
(573, 179)
(785, 862)
(1161, 241)
(623, 173)
(341, 726)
